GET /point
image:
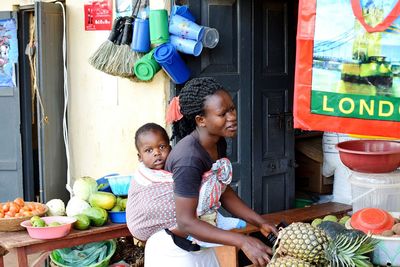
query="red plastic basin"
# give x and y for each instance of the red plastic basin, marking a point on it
(370, 156)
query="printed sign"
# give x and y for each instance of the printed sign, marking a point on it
(98, 15)
(8, 52)
(348, 77)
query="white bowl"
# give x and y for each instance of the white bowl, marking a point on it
(387, 251)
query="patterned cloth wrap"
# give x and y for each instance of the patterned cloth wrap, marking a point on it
(151, 205)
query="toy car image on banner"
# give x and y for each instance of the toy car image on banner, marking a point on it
(348, 67)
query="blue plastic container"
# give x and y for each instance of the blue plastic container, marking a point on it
(105, 185)
(117, 216)
(185, 28)
(186, 46)
(182, 11)
(172, 63)
(119, 184)
(141, 36)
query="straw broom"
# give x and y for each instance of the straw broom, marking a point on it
(107, 49)
(124, 58)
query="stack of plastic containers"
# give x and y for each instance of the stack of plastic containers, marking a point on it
(375, 190)
(168, 34)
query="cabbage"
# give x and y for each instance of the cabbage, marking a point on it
(76, 206)
(84, 187)
(56, 207)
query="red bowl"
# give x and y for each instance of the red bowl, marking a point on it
(370, 156)
(372, 220)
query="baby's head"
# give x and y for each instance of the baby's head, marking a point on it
(152, 144)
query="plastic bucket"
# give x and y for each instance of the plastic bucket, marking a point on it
(141, 36)
(167, 56)
(186, 46)
(185, 28)
(146, 67)
(370, 190)
(158, 20)
(182, 11)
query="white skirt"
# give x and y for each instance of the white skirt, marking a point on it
(160, 250)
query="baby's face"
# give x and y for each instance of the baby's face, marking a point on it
(153, 150)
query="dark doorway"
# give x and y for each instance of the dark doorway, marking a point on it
(255, 60)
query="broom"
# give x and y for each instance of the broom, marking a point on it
(101, 56)
(124, 58)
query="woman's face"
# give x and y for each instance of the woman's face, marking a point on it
(220, 115)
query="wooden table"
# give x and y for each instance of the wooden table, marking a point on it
(24, 245)
(227, 255)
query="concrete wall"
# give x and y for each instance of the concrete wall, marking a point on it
(104, 111)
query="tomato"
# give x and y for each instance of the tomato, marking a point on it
(19, 201)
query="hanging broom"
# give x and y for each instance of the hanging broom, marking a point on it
(122, 62)
(102, 55)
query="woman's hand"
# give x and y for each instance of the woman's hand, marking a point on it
(266, 228)
(257, 252)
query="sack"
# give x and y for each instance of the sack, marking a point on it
(348, 67)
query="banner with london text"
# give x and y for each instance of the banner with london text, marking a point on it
(348, 67)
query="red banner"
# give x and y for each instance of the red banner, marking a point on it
(348, 67)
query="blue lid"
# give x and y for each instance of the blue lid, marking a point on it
(164, 52)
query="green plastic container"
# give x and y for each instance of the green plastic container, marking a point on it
(146, 67)
(158, 20)
(111, 247)
(301, 202)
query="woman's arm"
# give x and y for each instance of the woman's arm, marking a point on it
(188, 222)
(233, 204)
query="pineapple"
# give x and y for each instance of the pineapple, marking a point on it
(303, 241)
(288, 261)
(311, 244)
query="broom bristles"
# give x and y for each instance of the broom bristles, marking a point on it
(101, 57)
(121, 64)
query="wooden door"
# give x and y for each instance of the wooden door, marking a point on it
(274, 25)
(230, 63)
(254, 59)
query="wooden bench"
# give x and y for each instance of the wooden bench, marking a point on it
(228, 255)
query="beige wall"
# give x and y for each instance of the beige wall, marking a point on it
(104, 111)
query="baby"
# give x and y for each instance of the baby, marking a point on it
(151, 205)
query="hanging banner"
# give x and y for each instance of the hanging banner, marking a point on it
(348, 67)
(98, 15)
(8, 52)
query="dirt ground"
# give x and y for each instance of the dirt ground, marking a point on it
(11, 260)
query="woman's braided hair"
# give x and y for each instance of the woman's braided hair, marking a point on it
(191, 100)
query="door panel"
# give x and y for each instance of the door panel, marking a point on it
(52, 159)
(230, 63)
(272, 109)
(255, 61)
(11, 185)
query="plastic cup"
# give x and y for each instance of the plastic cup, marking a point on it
(182, 11)
(169, 59)
(186, 46)
(158, 20)
(141, 36)
(210, 38)
(185, 28)
(146, 67)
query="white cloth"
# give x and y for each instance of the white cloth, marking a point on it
(161, 250)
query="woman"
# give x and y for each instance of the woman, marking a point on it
(206, 116)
